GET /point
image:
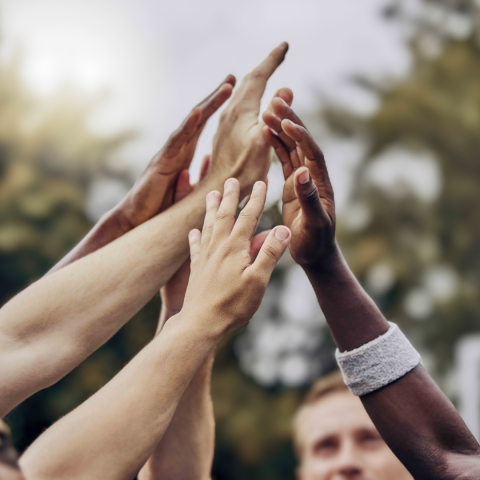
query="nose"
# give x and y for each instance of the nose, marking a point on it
(348, 466)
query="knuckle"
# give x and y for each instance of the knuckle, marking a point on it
(257, 278)
(311, 197)
(222, 215)
(246, 214)
(271, 252)
(256, 74)
(227, 249)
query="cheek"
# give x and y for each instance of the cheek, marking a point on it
(383, 464)
(315, 469)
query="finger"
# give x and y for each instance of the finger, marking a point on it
(205, 166)
(182, 187)
(194, 240)
(272, 121)
(308, 196)
(272, 250)
(225, 218)
(214, 102)
(285, 94)
(183, 133)
(253, 85)
(213, 203)
(249, 217)
(257, 242)
(230, 80)
(280, 150)
(284, 111)
(315, 161)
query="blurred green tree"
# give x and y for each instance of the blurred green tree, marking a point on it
(416, 250)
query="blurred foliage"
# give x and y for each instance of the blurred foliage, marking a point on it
(428, 245)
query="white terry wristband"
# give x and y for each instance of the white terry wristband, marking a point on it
(378, 363)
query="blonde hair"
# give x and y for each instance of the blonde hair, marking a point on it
(324, 386)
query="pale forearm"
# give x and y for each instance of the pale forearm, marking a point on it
(186, 450)
(112, 434)
(53, 325)
(110, 227)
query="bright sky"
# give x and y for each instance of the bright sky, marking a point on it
(159, 58)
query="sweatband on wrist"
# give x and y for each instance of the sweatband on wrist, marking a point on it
(377, 363)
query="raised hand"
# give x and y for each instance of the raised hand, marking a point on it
(308, 200)
(239, 149)
(154, 190)
(226, 286)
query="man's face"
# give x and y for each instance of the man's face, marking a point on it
(339, 442)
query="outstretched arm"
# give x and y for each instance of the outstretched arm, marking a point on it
(113, 433)
(414, 417)
(49, 328)
(186, 450)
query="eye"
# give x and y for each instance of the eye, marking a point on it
(370, 438)
(326, 447)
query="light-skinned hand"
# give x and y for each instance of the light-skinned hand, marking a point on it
(226, 283)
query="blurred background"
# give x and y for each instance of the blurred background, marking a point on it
(91, 89)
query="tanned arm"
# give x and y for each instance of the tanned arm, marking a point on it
(414, 417)
(113, 433)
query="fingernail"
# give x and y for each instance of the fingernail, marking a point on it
(229, 183)
(256, 186)
(304, 177)
(281, 233)
(211, 196)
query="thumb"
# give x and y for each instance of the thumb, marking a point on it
(256, 243)
(205, 166)
(182, 187)
(307, 194)
(272, 250)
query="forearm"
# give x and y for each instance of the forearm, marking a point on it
(186, 450)
(352, 316)
(113, 433)
(53, 325)
(110, 227)
(415, 418)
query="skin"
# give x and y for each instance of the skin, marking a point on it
(427, 447)
(186, 449)
(153, 191)
(79, 307)
(338, 441)
(113, 433)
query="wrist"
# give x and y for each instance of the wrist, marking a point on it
(327, 265)
(199, 325)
